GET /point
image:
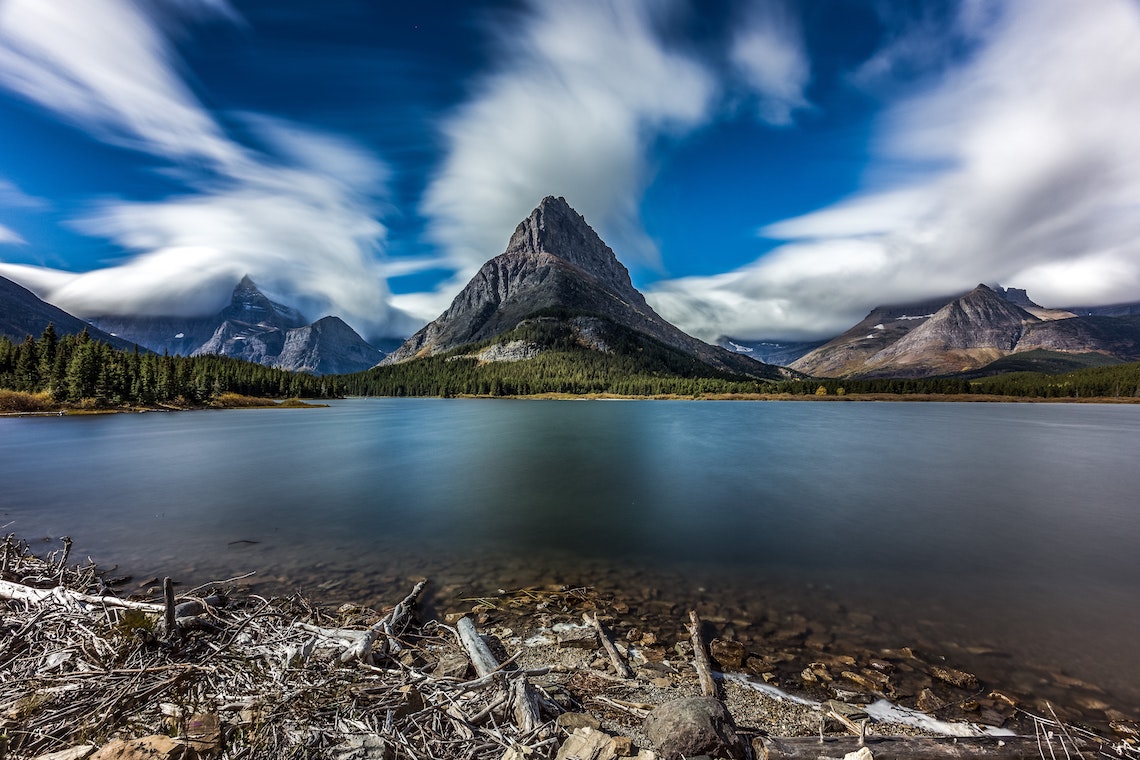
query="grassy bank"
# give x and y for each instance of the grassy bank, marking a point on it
(21, 402)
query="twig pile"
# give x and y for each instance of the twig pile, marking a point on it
(238, 678)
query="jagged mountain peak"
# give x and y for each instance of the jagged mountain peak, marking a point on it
(555, 228)
(555, 263)
(249, 304)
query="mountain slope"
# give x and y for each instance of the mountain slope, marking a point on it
(555, 261)
(976, 329)
(885, 325)
(22, 313)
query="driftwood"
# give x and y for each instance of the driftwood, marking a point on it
(615, 659)
(523, 699)
(701, 657)
(907, 747)
(21, 593)
(389, 625)
(481, 657)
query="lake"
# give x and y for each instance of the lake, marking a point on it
(1003, 535)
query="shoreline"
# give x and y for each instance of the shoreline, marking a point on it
(249, 402)
(536, 629)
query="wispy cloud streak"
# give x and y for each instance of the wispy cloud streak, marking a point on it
(1035, 181)
(299, 215)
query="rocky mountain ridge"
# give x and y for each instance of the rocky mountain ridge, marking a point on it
(555, 262)
(254, 328)
(965, 333)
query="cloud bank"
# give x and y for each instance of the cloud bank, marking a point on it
(1028, 174)
(299, 215)
(575, 109)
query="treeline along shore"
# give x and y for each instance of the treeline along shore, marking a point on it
(54, 372)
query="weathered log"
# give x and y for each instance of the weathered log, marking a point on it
(523, 700)
(908, 747)
(22, 593)
(477, 650)
(619, 665)
(701, 657)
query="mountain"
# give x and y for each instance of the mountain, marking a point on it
(254, 328)
(22, 313)
(557, 268)
(847, 353)
(969, 332)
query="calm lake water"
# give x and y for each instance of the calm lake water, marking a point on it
(1013, 527)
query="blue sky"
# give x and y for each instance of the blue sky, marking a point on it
(765, 168)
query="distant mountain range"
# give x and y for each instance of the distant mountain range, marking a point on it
(967, 333)
(558, 286)
(557, 271)
(254, 328)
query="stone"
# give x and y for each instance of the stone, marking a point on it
(694, 726)
(954, 677)
(575, 720)
(71, 753)
(623, 746)
(156, 747)
(451, 665)
(204, 733)
(863, 753)
(860, 680)
(582, 638)
(362, 747)
(587, 744)
(728, 654)
(929, 702)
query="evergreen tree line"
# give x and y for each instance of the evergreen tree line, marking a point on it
(75, 368)
(1113, 381)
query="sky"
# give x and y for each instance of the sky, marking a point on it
(766, 169)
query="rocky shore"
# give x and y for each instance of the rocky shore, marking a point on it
(558, 672)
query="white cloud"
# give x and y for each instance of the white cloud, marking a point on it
(106, 67)
(1038, 186)
(301, 219)
(586, 88)
(297, 230)
(769, 56)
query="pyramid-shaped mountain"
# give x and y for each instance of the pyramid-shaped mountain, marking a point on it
(254, 328)
(557, 268)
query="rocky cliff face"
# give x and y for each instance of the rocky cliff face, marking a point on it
(254, 328)
(555, 262)
(23, 313)
(326, 347)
